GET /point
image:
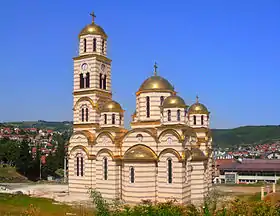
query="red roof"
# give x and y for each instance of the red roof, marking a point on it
(220, 162)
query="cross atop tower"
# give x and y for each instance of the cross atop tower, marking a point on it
(155, 69)
(93, 16)
(197, 99)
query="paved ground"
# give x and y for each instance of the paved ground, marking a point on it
(58, 192)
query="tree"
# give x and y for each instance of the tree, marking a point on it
(24, 160)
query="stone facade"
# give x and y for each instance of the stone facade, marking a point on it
(167, 153)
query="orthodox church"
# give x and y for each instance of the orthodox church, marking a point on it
(167, 153)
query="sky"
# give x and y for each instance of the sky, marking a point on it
(227, 52)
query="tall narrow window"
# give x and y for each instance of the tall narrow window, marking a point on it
(105, 168)
(87, 80)
(168, 115)
(86, 114)
(82, 166)
(103, 46)
(178, 115)
(104, 81)
(94, 45)
(85, 45)
(148, 107)
(202, 120)
(169, 170)
(82, 81)
(83, 114)
(120, 119)
(78, 166)
(132, 175)
(100, 81)
(113, 119)
(161, 100)
(194, 120)
(105, 118)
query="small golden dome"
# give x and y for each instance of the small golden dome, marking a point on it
(140, 152)
(197, 155)
(93, 29)
(112, 106)
(174, 101)
(198, 108)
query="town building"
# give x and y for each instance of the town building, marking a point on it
(167, 153)
(247, 171)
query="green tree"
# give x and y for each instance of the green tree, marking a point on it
(24, 160)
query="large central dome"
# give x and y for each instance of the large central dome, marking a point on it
(156, 83)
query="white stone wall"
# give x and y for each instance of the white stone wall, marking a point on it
(80, 184)
(174, 119)
(198, 120)
(141, 111)
(119, 121)
(144, 187)
(89, 45)
(108, 188)
(94, 68)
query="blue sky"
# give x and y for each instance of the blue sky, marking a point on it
(227, 52)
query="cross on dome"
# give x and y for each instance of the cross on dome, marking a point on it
(155, 69)
(93, 16)
(197, 99)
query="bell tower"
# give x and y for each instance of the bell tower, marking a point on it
(92, 77)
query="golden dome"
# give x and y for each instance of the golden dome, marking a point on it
(155, 83)
(111, 106)
(93, 29)
(198, 108)
(140, 152)
(197, 155)
(174, 101)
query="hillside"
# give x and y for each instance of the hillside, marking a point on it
(10, 175)
(246, 135)
(53, 125)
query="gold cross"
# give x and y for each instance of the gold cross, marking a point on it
(155, 67)
(93, 16)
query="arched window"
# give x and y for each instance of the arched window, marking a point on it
(85, 45)
(83, 114)
(94, 45)
(82, 166)
(100, 81)
(178, 115)
(79, 165)
(168, 115)
(86, 114)
(87, 80)
(148, 107)
(113, 119)
(105, 168)
(194, 120)
(132, 174)
(105, 118)
(202, 120)
(169, 170)
(161, 100)
(104, 81)
(103, 46)
(81, 80)
(120, 119)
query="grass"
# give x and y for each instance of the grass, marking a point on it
(9, 174)
(16, 205)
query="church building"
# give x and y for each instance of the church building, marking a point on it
(167, 152)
